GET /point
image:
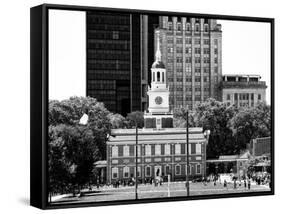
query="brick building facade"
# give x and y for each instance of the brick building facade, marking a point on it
(158, 150)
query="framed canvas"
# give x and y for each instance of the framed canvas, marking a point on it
(133, 106)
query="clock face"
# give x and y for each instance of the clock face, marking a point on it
(158, 100)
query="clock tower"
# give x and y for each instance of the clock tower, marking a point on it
(158, 115)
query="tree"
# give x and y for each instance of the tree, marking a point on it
(179, 115)
(132, 118)
(215, 116)
(250, 123)
(73, 148)
(117, 121)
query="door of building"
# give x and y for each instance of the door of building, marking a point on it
(157, 171)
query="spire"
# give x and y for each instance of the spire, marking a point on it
(157, 63)
(158, 53)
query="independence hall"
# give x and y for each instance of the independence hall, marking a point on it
(161, 149)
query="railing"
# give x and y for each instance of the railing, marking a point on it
(244, 84)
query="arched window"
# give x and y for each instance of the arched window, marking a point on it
(206, 28)
(197, 27)
(158, 76)
(153, 76)
(187, 27)
(163, 77)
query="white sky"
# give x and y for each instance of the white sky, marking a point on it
(67, 54)
(245, 50)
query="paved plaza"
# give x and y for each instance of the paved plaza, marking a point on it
(151, 191)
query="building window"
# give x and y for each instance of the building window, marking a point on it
(177, 149)
(157, 149)
(148, 171)
(179, 40)
(216, 51)
(197, 28)
(206, 28)
(228, 96)
(206, 41)
(216, 59)
(147, 150)
(115, 35)
(206, 60)
(188, 60)
(114, 172)
(206, 50)
(197, 79)
(197, 70)
(198, 169)
(179, 27)
(179, 60)
(126, 172)
(206, 79)
(197, 59)
(206, 70)
(126, 151)
(216, 41)
(178, 170)
(259, 96)
(197, 41)
(198, 148)
(114, 151)
(192, 148)
(197, 50)
(167, 149)
(188, 40)
(216, 69)
(252, 96)
(170, 26)
(179, 49)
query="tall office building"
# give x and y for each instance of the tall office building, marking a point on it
(118, 47)
(192, 52)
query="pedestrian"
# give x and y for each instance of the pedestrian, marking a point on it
(245, 183)
(235, 184)
(225, 183)
(249, 184)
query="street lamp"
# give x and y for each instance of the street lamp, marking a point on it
(136, 173)
(206, 134)
(187, 154)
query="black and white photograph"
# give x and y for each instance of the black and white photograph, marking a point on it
(157, 106)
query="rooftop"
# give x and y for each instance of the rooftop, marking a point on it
(152, 136)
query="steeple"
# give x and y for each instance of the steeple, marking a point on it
(158, 52)
(158, 63)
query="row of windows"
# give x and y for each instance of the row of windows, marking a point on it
(197, 69)
(243, 96)
(130, 171)
(166, 150)
(179, 27)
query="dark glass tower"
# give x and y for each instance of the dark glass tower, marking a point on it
(117, 59)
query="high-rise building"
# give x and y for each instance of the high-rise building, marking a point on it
(243, 90)
(118, 47)
(192, 52)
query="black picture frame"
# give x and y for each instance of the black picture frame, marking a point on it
(39, 104)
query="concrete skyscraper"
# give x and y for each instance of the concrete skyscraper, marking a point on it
(192, 52)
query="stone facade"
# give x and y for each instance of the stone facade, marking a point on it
(191, 50)
(243, 90)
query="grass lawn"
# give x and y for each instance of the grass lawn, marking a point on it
(150, 191)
